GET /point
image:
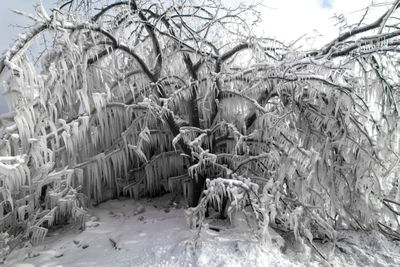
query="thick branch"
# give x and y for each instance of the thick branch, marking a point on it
(193, 106)
(105, 9)
(233, 51)
(356, 31)
(150, 30)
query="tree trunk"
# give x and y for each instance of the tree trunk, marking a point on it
(197, 186)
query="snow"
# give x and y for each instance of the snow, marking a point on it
(153, 232)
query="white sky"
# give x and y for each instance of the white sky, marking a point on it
(285, 20)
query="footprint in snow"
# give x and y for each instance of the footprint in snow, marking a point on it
(139, 209)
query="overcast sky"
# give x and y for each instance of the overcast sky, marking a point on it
(282, 19)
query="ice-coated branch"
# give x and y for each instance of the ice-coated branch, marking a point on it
(342, 37)
(106, 8)
(156, 45)
(19, 47)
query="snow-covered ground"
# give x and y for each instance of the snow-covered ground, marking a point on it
(154, 233)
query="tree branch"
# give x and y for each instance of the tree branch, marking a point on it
(356, 31)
